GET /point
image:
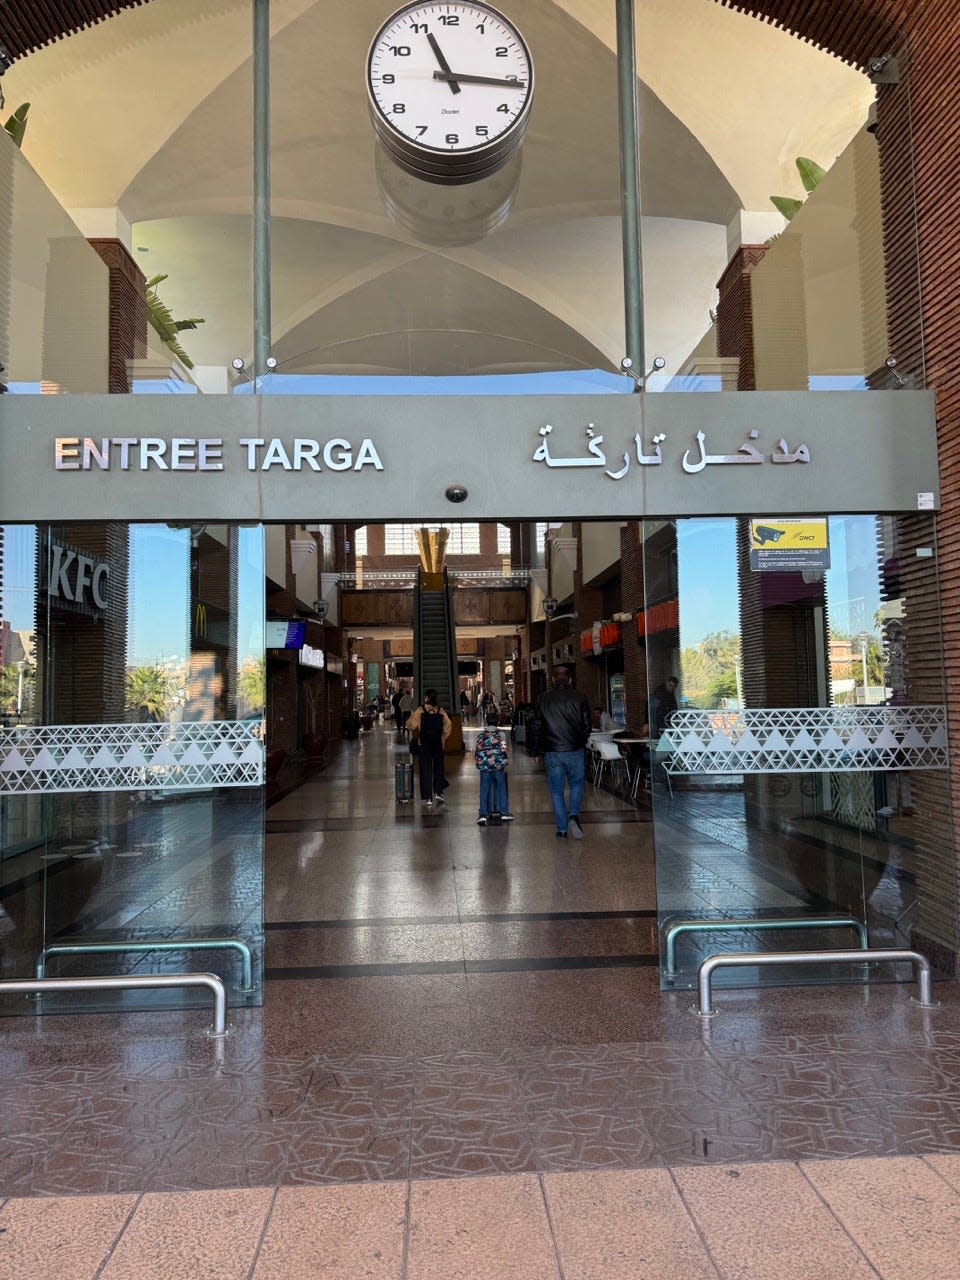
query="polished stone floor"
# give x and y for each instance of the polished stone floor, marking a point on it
(446, 1005)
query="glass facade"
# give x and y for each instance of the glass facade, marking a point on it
(132, 805)
(775, 678)
(798, 737)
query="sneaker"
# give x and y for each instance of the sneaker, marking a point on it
(495, 817)
(507, 817)
(428, 804)
(575, 828)
(482, 821)
(439, 800)
(561, 835)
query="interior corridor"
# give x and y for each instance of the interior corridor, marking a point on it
(359, 886)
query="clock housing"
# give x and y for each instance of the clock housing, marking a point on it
(450, 87)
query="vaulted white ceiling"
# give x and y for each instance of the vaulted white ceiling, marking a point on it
(149, 114)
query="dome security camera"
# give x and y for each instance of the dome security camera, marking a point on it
(456, 493)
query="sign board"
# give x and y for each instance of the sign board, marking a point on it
(788, 546)
(304, 458)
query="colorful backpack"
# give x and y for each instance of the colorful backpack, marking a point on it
(490, 753)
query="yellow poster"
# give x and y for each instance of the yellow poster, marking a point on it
(782, 545)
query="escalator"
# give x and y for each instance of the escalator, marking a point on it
(435, 648)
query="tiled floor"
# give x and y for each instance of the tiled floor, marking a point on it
(893, 1219)
(464, 1066)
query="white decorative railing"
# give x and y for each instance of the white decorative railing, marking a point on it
(373, 578)
(490, 577)
(805, 740)
(131, 757)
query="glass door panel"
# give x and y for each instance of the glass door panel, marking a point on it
(798, 739)
(132, 821)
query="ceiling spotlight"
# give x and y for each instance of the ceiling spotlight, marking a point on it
(238, 363)
(658, 363)
(271, 363)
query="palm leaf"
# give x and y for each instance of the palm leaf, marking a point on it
(811, 173)
(786, 205)
(16, 126)
(163, 323)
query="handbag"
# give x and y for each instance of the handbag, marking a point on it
(414, 744)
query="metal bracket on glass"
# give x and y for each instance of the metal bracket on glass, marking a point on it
(756, 959)
(129, 982)
(768, 922)
(117, 948)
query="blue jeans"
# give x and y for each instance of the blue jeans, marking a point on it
(565, 767)
(493, 792)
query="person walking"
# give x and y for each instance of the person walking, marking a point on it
(558, 730)
(406, 710)
(397, 714)
(491, 758)
(432, 726)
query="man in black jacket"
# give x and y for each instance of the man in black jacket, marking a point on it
(559, 728)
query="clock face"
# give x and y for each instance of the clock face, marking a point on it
(450, 89)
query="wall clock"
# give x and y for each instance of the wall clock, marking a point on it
(450, 88)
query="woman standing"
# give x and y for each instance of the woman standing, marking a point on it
(432, 726)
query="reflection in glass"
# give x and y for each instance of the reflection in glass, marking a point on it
(823, 689)
(133, 809)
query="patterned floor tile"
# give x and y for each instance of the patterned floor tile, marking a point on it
(347, 1150)
(471, 1145)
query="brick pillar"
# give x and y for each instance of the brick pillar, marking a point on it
(632, 601)
(735, 312)
(128, 312)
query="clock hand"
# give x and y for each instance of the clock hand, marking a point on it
(451, 76)
(445, 65)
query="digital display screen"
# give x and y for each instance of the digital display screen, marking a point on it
(287, 634)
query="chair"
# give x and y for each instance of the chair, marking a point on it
(609, 760)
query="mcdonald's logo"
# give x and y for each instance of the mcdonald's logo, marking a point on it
(200, 621)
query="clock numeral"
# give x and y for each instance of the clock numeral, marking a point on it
(483, 131)
(398, 108)
(389, 78)
(504, 107)
(400, 50)
(419, 27)
(502, 51)
(481, 28)
(421, 130)
(450, 19)
(453, 139)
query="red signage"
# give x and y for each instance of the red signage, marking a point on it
(659, 617)
(610, 636)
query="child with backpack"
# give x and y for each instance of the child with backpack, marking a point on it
(490, 757)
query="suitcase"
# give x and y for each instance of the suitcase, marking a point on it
(403, 783)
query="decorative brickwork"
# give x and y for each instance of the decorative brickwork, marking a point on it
(918, 120)
(735, 312)
(29, 24)
(631, 601)
(128, 312)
